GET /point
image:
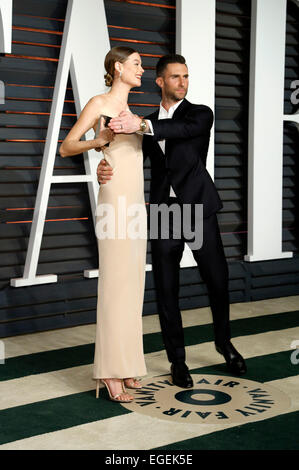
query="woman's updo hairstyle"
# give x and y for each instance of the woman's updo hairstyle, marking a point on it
(116, 54)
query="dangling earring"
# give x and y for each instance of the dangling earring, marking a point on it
(120, 74)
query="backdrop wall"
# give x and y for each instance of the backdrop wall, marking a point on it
(69, 244)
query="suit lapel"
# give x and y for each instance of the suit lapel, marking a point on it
(154, 115)
(181, 109)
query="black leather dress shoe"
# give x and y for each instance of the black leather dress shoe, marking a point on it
(234, 360)
(180, 375)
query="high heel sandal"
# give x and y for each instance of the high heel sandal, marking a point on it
(115, 397)
(132, 386)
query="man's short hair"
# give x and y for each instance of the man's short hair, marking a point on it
(168, 59)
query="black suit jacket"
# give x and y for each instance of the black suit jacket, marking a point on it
(183, 166)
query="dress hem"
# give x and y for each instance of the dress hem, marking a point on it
(114, 377)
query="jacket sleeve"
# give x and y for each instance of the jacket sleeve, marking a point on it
(197, 122)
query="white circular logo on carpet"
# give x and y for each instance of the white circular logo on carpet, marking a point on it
(214, 399)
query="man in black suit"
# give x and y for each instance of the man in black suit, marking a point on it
(176, 138)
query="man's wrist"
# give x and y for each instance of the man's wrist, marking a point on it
(143, 126)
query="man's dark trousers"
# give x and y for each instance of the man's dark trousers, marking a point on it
(212, 264)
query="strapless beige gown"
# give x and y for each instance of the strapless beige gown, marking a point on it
(119, 340)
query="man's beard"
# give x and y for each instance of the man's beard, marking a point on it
(173, 97)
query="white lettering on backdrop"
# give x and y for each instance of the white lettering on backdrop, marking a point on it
(83, 55)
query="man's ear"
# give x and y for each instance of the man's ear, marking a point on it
(159, 82)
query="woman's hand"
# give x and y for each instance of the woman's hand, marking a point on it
(105, 136)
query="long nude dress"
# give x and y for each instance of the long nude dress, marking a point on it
(119, 341)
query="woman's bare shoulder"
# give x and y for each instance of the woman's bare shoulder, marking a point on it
(96, 105)
(98, 100)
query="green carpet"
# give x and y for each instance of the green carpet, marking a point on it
(278, 433)
(69, 411)
(65, 358)
(73, 410)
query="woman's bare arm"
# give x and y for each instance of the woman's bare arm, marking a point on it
(72, 145)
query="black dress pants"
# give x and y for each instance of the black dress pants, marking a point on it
(212, 264)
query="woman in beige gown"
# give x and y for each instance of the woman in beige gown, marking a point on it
(120, 229)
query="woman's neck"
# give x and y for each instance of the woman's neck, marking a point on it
(119, 93)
